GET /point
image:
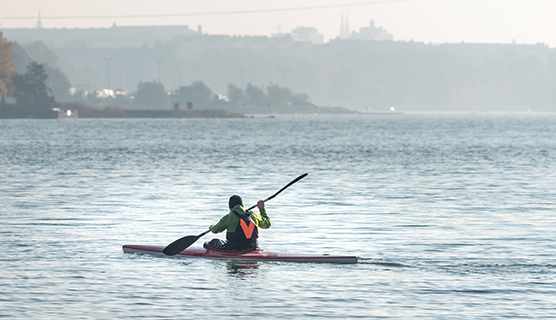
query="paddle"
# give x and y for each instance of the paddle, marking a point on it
(183, 243)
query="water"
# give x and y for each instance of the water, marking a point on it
(452, 216)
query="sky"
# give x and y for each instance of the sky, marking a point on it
(429, 21)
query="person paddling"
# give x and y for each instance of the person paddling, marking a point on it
(262, 220)
(241, 227)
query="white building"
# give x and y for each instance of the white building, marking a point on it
(372, 33)
(307, 34)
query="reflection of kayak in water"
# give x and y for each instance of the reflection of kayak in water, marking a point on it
(256, 255)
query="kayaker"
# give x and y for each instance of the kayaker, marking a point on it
(241, 227)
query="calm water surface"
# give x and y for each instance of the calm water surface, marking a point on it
(453, 216)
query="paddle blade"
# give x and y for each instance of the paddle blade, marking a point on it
(179, 245)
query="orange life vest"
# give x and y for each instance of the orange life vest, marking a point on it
(247, 229)
(246, 233)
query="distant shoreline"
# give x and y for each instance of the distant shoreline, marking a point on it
(83, 111)
(138, 113)
(15, 113)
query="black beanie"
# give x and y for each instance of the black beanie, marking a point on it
(234, 201)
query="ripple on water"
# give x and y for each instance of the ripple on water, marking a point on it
(449, 215)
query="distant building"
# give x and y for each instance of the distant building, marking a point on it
(39, 22)
(185, 96)
(344, 27)
(281, 35)
(307, 34)
(372, 33)
(113, 37)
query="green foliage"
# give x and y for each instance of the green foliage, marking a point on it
(278, 96)
(235, 94)
(201, 95)
(39, 52)
(59, 83)
(255, 96)
(151, 95)
(31, 90)
(274, 96)
(300, 97)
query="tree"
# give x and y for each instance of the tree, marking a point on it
(151, 95)
(278, 96)
(7, 68)
(201, 94)
(235, 94)
(300, 97)
(59, 83)
(255, 96)
(39, 52)
(31, 90)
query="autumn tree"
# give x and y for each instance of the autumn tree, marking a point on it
(7, 68)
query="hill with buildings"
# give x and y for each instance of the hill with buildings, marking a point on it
(361, 70)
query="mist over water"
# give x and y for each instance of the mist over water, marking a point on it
(451, 215)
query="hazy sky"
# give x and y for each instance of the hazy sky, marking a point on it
(437, 21)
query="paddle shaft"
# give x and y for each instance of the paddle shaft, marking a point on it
(284, 188)
(183, 243)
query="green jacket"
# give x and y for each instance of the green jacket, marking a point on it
(230, 221)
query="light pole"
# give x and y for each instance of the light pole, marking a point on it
(108, 71)
(159, 62)
(284, 71)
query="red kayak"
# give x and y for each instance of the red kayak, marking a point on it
(256, 255)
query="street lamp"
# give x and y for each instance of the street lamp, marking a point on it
(284, 71)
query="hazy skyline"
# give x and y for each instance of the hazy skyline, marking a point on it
(436, 21)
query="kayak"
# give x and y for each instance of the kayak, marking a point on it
(256, 255)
